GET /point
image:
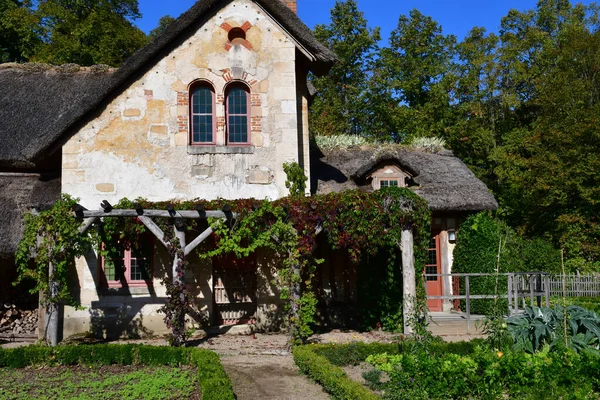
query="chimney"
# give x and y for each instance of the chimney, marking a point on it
(292, 4)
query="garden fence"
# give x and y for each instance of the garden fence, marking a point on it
(575, 285)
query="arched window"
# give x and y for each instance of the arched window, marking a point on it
(202, 114)
(238, 114)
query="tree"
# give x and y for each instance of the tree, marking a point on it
(478, 103)
(547, 164)
(84, 32)
(163, 23)
(18, 37)
(341, 105)
(419, 71)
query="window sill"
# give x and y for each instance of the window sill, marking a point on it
(199, 149)
(124, 291)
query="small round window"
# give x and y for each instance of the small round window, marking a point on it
(237, 36)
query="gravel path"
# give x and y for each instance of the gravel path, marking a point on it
(269, 377)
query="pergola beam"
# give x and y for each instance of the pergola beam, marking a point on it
(159, 214)
(196, 242)
(158, 233)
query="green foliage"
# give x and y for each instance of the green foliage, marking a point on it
(353, 353)
(338, 141)
(344, 93)
(589, 303)
(51, 237)
(296, 180)
(212, 378)
(148, 383)
(333, 379)
(486, 374)
(485, 244)
(521, 108)
(478, 244)
(539, 327)
(380, 290)
(373, 378)
(358, 221)
(85, 32)
(163, 23)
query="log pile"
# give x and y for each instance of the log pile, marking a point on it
(16, 321)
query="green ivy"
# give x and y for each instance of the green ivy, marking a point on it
(51, 237)
(296, 180)
(358, 221)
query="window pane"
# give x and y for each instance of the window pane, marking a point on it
(139, 270)
(114, 269)
(394, 183)
(238, 129)
(237, 99)
(384, 183)
(202, 128)
(202, 101)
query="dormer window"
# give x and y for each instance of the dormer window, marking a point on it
(389, 176)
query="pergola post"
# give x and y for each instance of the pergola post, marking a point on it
(408, 277)
(52, 309)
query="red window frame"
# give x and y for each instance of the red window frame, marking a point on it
(193, 87)
(228, 113)
(127, 259)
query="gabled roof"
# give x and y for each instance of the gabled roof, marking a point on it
(39, 106)
(443, 180)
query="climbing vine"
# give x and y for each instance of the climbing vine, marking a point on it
(357, 221)
(51, 238)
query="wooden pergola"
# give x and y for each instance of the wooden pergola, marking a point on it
(90, 217)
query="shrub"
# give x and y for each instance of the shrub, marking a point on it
(353, 353)
(477, 251)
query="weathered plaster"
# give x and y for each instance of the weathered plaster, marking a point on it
(138, 146)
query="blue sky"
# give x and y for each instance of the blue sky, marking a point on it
(456, 16)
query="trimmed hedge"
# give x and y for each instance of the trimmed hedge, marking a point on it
(214, 382)
(333, 379)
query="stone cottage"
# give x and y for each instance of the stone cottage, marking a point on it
(209, 109)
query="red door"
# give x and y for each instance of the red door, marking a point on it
(433, 284)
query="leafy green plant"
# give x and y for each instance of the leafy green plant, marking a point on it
(373, 378)
(539, 327)
(296, 179)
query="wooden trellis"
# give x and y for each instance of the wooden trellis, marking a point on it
(90, 217)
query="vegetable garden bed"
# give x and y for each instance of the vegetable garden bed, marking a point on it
(94, 382)
(208, 372)
(465, 370)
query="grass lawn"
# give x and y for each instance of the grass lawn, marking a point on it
(99, 382)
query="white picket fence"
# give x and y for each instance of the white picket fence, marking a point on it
(575, 285)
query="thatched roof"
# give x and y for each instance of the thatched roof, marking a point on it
(20, 193)
(442, 179)
(38, 104)
(39, 107)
